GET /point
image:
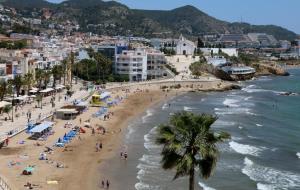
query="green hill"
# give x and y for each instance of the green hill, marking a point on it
(112, 18)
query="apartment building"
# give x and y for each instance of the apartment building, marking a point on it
(132, 63)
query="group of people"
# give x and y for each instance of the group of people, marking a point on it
(107, 116)
(105, 184)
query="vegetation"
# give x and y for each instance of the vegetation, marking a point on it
(168, 52)
(97, 69)
(20, 44)
(189, 143)
(17, 28)
(113, 18)
(7, 110)
(173, 69)
(199, 67)
(3, 89)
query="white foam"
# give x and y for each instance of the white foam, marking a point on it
(151, 159)
(165, 106)
(149, 113)
(245, 149)
(186, 108)
(144, 186)
(259, 125)
(298, 154)
(270, 178)
(231, 102)
(205, 187)
(131, 130)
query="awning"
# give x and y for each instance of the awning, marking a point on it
(104, 95)
(47, 90)
(41, 127)
(68, 111)
(58, 87)
(4, 103)
(33, 91)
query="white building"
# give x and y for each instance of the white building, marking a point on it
(181, 46)
(133, 64)
(156, 62)
(228, 51)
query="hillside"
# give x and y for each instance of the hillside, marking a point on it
(113, 18)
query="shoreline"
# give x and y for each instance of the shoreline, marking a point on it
(80, 158)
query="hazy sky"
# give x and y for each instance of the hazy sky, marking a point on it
(285, 13)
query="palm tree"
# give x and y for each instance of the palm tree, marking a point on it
(18, 82)
(188, 142)
(3, 89)
(64, 69)
(39, 76)
(28, 81)
(47, 75)
(56, 73)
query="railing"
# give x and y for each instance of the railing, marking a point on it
(4, 185)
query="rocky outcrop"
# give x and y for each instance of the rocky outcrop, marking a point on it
(270, 69)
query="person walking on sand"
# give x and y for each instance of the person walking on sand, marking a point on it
(97, 147)
(107, 184)
(103, 184)
(80, 120)
(100, 145)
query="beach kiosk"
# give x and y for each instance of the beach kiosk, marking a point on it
(39, 130)
(99, 100)
(66, 114)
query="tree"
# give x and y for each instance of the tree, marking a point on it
(18, 82)
(3, 89)
(7, 110)
(200, 43)
(47, 75)
(188, 142)
(57, 72)
(39, 76)
(28, 81)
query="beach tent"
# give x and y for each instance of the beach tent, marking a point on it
(41, 127)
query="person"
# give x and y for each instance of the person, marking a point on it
(100, 145)
(97, 147)
(93, 131)
(107, 184)
(121, 154)
(125, 155)
(80, 120)
(103, 184)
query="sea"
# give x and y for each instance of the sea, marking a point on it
(263, 152)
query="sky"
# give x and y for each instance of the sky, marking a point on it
(285, 13)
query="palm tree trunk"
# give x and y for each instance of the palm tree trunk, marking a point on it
(192, 179)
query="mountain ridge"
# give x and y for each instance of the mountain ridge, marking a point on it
(186, 20)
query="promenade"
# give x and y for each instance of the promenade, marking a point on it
(20, 123)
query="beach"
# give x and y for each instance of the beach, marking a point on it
(83, 167)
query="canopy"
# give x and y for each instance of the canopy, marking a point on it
(47, 90)
(68, 111)
(33, 91)
(104, 95)
(41, 127)
(4, 103)
(58, 87)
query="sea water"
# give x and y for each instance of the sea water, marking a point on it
(263, 153)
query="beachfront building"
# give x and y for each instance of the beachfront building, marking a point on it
(132, 63)
(181, 46)
(156, 62)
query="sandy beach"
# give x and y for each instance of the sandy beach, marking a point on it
(82, 164)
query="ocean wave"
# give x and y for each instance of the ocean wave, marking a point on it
(246, 149)
(259, 125)
(151, 159)
(226, 111)
(252, 89)
(298, 154)
(149, 113)
(186, 108)
(205, 187)
(165, 106)
(231, 102)
(270, 178)
(144, 186)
